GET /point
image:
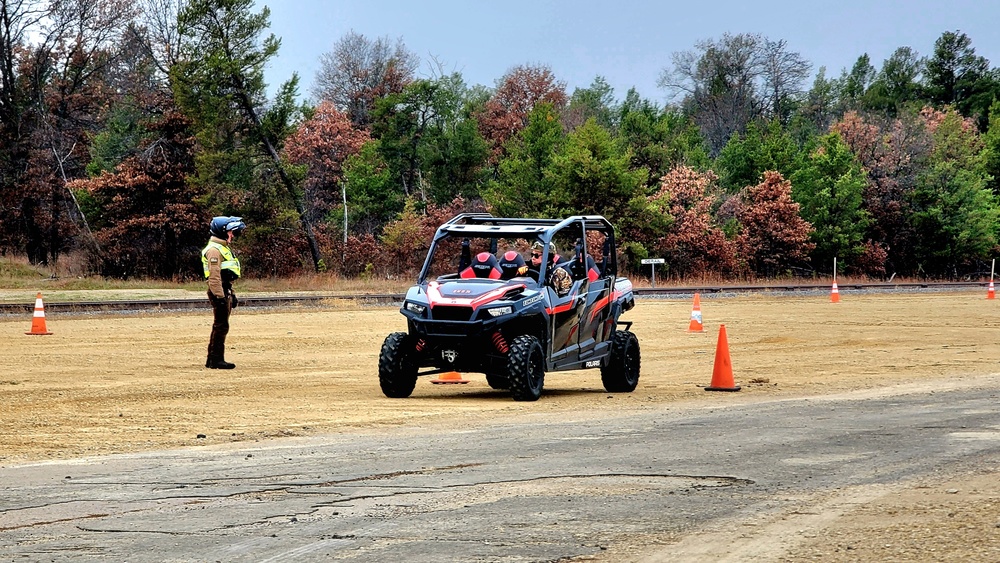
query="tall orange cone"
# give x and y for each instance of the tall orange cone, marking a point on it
(696, 324)
(38, 320)
(722, 373)
(449, 377)
(991, 293)
(834, 294)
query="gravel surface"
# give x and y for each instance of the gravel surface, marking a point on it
(112, 384)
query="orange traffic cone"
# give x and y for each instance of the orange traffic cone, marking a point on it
(834, 294)
(696, 324)
(991, 293)
(449, 377)
(38, 320)
(722, 373)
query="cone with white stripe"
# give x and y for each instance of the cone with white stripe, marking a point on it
(991, 292)
(834, 294)
(38, 320)
(696, 324)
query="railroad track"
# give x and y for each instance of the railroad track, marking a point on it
(321, 300)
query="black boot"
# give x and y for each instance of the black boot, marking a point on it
(218, 363)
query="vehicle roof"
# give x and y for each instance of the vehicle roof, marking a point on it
(483, 224)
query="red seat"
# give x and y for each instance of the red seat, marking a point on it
(511, 264)
(484, 265)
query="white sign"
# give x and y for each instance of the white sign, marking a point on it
(652, 260)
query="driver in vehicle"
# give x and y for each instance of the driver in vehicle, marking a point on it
(559, 278)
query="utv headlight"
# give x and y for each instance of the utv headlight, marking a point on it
(416, 308)
(500, 311)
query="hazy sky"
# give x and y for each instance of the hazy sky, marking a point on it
(628, 43)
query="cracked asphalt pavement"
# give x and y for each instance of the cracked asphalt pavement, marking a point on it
(548, 487)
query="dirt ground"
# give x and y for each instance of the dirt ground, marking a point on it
(111, 384)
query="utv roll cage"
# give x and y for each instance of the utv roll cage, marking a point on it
(485, 225)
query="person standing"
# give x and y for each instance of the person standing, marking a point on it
(222, 268)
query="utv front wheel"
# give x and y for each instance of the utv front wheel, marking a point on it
(526, 369)
(621, 375)
(397, 374)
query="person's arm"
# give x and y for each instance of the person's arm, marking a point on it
(215, 273)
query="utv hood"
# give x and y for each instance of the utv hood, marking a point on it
(472, 293)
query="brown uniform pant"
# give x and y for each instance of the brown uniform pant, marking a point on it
(220, 328)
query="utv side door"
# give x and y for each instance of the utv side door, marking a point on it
(567, 312)
(597, 323)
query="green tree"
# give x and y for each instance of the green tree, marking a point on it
(829, 188)
(855, 84)
(957, 76)
(659, 140)
(122, 133)
(219, 82)
(954, 69)
(597, 102)
(897, 83)
(744, 159)
(522, 187)
(591, 175)
(991, 150)
(953, 208)
(430, 140)
(819, 107)
(369, 182)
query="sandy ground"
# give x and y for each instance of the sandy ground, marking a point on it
(102, 385)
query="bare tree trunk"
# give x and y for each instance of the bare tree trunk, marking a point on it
(76, 204)
(285, 179)
(343, 193)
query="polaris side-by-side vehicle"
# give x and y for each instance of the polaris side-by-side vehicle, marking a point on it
(515, 298)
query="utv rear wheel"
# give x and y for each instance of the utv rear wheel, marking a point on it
(526, 369)
(621, 375)
(397, 373)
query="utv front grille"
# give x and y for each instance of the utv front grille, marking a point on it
(451, 313)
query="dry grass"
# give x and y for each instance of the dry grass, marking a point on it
(17, 273)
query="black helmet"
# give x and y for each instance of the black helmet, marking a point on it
(220, 226)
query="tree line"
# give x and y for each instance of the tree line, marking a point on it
(124, 127)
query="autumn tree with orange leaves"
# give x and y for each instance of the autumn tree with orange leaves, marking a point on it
(773, 237)
(693, 245)
(144, 213)
(323, 143)
(506, 112)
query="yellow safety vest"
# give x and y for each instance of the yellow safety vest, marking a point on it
(229, 262)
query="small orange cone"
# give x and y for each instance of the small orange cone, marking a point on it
(449, 377)
(38, 320)
(696, 324)
(722, 373)
(991, 293)
(834, 294)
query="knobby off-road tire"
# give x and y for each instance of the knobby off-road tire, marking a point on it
(397, 374)
(621, 375)
(526, 368)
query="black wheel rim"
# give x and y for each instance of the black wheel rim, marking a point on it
(535, 369)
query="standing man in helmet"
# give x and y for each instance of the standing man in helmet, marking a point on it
(221, 269)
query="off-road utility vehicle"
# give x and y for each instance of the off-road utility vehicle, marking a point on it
(479, 306)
